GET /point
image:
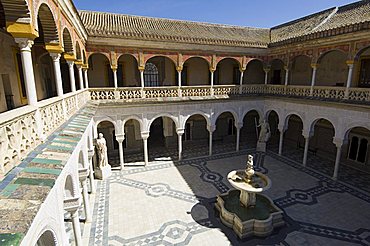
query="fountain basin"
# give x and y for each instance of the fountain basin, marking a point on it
(259, 220)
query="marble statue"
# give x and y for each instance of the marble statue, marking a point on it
(101, 146)
(265, 132)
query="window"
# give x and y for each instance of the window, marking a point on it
(151, 75)
(358, 149)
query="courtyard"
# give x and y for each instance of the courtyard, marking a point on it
(172, 203)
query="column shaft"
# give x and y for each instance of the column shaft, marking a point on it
(337, 161)
(115, 78)
(212, 78)
(76, 228)
(306, 145)
(72, 75)
(146, 158)
(85, 197)
(121, 160)
(313, 79)
(210, 143)
(281, 142)
(180, 146)
(58, 75)
(241, 82)
(86, 79)
(237, 139)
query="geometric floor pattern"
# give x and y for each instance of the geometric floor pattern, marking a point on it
(172, 203)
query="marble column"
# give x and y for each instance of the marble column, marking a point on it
(238, 128)
(211, 129)
(80, 76)
(338, 144)
(305, 153)
(313, 78)
(281, 140)
(120, 139)
(115, 79)
(267, 70)
(142, 83)
(58, 75)
(286, 76)
(241, 82)
(212, 81)
(72, 75)
(91, 171)
(76, 227)
(179, 71)
(25, 46)
(145, 137)
(86, 78)
(179, 136)
(85, 197)
(349, 77)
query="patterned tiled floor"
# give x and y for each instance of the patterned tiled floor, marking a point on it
(170, 203)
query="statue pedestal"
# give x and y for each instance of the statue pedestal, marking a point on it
(261, 147)
(103, 173)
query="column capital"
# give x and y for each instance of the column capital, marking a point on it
(25, 44)
(179, 68)
(350, 62)
(120, 138)
(55, 56)
(266, 70)
(211, 128)
(141, 68)
(212, 70)
(286, 68)
(238, 125)
(69, 57)
(282, 128)
(70, 63)
(180, 131)
(145, 135)
(242, 69)
(114, 68)
(314, 65)
(338, 142)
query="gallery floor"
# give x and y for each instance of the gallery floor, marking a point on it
(172, 203)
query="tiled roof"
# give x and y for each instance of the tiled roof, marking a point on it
(137, 27)
(100, 24)
(355, 13)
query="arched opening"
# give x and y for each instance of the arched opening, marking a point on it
(293, 143)
(160, 71)
(47, 239)
(321, 145)
(162, 141)
(68, 49)
(77, 77)
(128, 74)
(2, 17)
(81, 161)
(362, 69)
(196, 136)
(108, 130)
(332, 69)
(254, 73)
(227, 72)
(249, 131)
(273, 120)
(225, 133)
(69, 191)
(78, 52)
(100, 73)
(355, 152)
(301, 71)
(67, 42)
(277, 72)
(43, 66)
(133, 143)
(195, 72)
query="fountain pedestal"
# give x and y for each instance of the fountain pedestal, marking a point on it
(245, 210)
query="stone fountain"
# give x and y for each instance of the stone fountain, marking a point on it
(245, 210)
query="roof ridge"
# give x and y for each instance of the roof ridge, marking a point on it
(176, 20)
(326, 19)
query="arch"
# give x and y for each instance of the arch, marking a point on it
(260, 114)
(254, 73)
(109, 119)
(196, 71)
(161, 56)
(195, 57)
(231, 111)
(12, 12)
(204, 115)
(128, 66)
(230, 58)
(81, 159)
(67, 41)
(300, 70)
(69, 187)
(332, 69)
(270, 111)
(78, 51)
(354, 125)
(317, 119)
(227, 71)
(174, 119)
(47, 238)
(100, 73)
(48, 27)
(134, 118)
(322, 55)
(166, 70)
(360, 52)
(290, 115)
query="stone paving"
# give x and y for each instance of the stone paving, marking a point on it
(172, 203)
